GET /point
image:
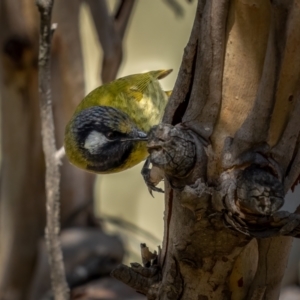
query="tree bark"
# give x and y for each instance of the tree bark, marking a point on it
(229, 156)
(59, 283)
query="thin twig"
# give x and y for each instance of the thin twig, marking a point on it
(58, 280)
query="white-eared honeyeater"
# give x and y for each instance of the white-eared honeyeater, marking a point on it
(108, 130)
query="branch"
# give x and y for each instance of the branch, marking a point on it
(176, 7)
(58, 280)
(122, 16)
(110, 33)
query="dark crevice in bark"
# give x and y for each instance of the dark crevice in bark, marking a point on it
(205, 102)
(184, 79)
(181, 279)
(181, 109)
(292, 172)
(168, 215)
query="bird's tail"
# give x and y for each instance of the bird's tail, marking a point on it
(160, 74)
(168, 93)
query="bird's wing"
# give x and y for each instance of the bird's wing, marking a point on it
(137, 91)
(142, 82)
(160, 74)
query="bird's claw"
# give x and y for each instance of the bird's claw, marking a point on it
(152, 188)
(149, 180)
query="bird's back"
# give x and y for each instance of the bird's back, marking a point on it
(139, 95)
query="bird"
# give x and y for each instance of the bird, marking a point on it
(108, 130)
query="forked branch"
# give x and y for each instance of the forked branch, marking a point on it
(110, 30)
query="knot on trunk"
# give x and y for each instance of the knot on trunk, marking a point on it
(178, 153)
(172, 150)
(251, 192)
(258, 192)
(250, 199)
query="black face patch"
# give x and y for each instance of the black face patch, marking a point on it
(105, 120)
(112, 156)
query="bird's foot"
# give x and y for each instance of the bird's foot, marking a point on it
(152, 176)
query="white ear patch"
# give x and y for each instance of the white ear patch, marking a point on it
(94, 141)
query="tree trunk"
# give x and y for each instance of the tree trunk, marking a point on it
(228, 157)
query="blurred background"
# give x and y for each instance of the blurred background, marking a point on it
(153, 36)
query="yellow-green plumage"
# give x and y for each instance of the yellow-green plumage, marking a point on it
(140, 96)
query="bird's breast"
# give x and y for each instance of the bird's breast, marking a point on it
(138, 154)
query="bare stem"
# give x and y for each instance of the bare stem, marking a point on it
(58, 280)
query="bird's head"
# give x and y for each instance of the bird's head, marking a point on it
(101, 139)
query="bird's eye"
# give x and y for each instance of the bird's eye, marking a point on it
(113, 135)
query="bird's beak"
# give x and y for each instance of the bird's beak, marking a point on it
(142, 136)
(138, 136)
